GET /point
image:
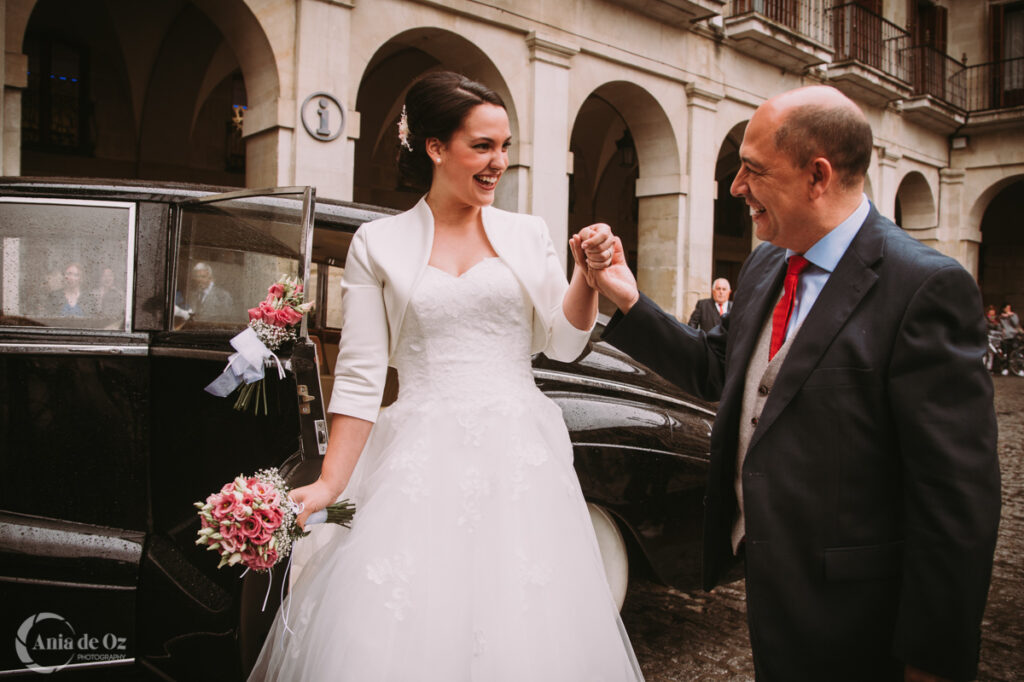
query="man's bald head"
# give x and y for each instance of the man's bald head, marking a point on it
(818, 120)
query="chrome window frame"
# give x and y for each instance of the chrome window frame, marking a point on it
(129, 298)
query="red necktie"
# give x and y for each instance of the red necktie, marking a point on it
(780, 318)
(721, 309)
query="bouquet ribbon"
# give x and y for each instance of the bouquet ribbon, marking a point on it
(244, 366)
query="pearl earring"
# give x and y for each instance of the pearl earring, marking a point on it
(437, 160)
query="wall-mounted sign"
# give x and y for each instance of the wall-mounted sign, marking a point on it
(322, 116)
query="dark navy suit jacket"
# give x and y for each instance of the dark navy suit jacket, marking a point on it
(871, 483)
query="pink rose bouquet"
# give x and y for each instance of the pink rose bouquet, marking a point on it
(251, 520)
(274, 320)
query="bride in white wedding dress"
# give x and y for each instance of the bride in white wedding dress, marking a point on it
(471, 557)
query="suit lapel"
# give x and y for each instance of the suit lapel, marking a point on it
(853, 277)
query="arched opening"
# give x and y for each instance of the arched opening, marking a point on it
(1001, 257)
(915, 204)
(602, 187)
(154, 92)
(387, 78)
(622, 138)
(732, 237)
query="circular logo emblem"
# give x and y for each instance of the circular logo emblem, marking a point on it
(45, 642)
(322, 116)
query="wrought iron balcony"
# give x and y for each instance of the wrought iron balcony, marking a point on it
(791, 33)
(872, 59)
(994, 85)
(993, 93)
(939, 98)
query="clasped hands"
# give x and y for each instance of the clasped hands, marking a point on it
(599, 254)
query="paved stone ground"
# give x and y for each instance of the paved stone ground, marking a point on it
(682, 636)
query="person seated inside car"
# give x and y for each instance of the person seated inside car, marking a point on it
(207, 301)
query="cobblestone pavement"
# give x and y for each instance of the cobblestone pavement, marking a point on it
(681, 636)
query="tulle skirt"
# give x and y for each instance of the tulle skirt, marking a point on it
(471, 558)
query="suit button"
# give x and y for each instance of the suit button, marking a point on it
(753, 421)
(762, 389)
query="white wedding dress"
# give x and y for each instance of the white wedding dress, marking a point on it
(471, 557)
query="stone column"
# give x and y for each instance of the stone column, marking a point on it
(661, 240)
(954, 236)
(15, 80)
(697, 231)
(885, 193)
(547, 152)
(322, 66)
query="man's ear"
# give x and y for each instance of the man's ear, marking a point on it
(822, 175)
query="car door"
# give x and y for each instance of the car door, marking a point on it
(74, 384)
(231, 247)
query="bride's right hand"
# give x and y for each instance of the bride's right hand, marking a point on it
(313, 498)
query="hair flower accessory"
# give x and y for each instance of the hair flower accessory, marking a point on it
(403, 129)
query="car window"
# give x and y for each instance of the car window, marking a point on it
(65, 263)
(330, 316)
(229, 253)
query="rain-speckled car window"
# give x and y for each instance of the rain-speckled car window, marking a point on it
(65, 263)
(229, 253)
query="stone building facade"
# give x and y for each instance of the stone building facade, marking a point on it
(624, 111)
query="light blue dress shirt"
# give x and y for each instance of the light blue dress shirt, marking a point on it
(823, 257)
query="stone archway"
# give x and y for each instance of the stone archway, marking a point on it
(388, 75)
(915, 207)
(159, 94)
(733, 239)
(1001, 256)
(626, 174)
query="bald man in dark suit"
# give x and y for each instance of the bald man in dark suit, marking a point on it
(708, 311)
(853, 458)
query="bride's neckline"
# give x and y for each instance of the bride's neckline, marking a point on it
(466, 271)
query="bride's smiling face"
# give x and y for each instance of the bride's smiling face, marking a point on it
(467, 168)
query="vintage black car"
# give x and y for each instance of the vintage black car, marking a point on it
(117, 305)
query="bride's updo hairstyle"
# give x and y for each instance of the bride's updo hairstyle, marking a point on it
(435, 106)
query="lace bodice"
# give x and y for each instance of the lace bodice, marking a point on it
(465, 338)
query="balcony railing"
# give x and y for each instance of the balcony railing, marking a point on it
(861, 35)
(805, 17)
(995, 85)
(935, 73)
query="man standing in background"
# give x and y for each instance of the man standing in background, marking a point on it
(708, 311)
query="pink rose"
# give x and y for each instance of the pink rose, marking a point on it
(224, 505)
(270, 317)
(241, 512)
(228, 488)
(259, 488)
(290, 315)
(276, 290)
(255, 314)
(270, 518)
(264, 561)
(252, 558)
(231, 545)
(251, 527)
(263, 537)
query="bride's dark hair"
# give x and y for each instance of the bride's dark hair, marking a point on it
(435, 106)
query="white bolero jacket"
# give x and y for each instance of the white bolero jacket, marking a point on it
(385, 262)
